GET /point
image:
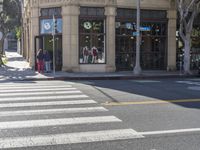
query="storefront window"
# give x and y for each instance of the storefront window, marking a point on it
(153, 39)
(92, 37)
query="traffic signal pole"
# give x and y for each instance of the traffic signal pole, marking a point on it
(53, 34)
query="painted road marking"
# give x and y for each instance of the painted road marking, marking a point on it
(57, 122)
(51, 111)
(170, 131)
(40, 93)
(69, 138)
(150, 102)
(196, 88)
(36, 90)
(189, 82)
(34, 86)
(146, 81)
(36, 98)
(72, 102)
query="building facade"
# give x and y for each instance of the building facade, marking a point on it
(98, 35)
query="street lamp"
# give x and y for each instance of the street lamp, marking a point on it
(137, 70)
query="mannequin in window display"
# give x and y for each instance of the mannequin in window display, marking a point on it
(94, 54)
(85, 54)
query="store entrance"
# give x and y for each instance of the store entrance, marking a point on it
(45, 42)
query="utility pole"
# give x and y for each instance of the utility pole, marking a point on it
(137, 70)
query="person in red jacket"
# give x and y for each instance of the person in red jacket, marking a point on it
(40, 61)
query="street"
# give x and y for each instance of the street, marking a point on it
(160, 114)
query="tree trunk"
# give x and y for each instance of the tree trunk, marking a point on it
(187, 56)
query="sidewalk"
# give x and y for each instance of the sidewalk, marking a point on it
(17, 69)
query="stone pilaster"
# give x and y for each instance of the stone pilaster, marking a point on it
(70, 16)
(34, 31)
(110, 12)
(171, 53)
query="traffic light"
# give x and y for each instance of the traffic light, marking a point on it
(55, 26)
(55, 29)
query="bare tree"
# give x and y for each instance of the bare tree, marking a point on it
(188, 10)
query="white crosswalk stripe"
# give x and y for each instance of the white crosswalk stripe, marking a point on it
(36, 90)
(52, 111)
(16, 98)
(38, 98)
(53, 122)
(69, 138)
(39, 93)
(34, 87)
(47, 103)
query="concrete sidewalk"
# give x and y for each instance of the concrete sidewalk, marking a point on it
(17, 68)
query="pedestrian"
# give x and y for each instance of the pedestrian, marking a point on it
(47, 61)
(40, 61)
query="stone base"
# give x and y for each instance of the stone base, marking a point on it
(171, 68)
(71, 69)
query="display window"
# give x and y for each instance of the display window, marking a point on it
(153, 30)
(92, 37)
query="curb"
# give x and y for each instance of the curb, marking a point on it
(110, 78)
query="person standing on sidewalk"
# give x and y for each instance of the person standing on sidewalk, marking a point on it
(47, 61)
(40, 61)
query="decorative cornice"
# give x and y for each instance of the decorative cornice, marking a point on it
(48, 3)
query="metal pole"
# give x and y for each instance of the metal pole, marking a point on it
(54, 72)
(137, 70)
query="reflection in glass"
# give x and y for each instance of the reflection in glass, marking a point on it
(92, 41)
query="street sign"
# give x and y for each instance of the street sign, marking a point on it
(136, 33)
(1, 35)
(145, 28)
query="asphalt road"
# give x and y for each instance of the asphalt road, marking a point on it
(101, 115)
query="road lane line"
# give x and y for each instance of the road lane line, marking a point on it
(150, 102)
(170, 131)
(72, 102)
(69, 138)
(57, 122)
(39, 93)
(51, 111)
(36, 98)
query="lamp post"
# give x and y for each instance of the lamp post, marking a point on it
(137, 69)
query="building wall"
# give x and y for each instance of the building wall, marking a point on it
(70, 35)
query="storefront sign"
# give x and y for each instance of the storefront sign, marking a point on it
(46, 26)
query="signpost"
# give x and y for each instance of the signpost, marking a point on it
(53, 34)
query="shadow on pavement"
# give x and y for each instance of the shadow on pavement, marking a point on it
(164, 90)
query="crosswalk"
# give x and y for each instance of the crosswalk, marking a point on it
(192, 84)
(53, 109)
